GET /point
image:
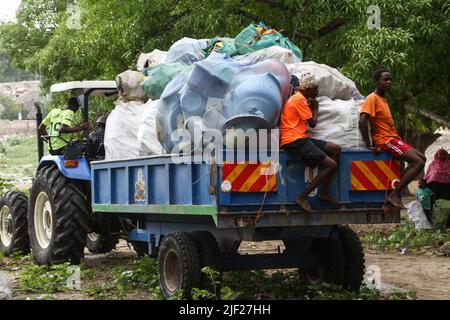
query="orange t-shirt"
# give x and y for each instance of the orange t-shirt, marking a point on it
(381, 121)
(295, 113)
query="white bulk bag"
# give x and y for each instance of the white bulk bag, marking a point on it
(147, 137)
(153, 58)
(129, 86)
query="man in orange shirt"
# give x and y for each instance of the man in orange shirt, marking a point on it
(384, 136)
(300, 109)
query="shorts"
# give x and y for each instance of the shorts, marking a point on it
(395, 147)
(308, 150)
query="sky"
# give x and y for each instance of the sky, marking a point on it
(8, 9)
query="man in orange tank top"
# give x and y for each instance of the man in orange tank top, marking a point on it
(300, 110)
(376, 111)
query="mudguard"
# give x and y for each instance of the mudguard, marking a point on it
(82, 172)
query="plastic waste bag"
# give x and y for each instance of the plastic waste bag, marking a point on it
(187, 51)
(275, 52)
(146, 60)
(221, 45)
(417, 215)
(440, 214)
(337, 122)
(129, 86)
(159, 76)
(332, 83)
(257, 37)
(147, 137)
(121, 139)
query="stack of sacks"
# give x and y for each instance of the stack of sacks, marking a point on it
(220, 93)
(131, 111)
(339, 106)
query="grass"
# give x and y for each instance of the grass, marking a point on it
(405, 238)
(19, 156)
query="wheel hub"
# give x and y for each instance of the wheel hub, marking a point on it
(6, 226)
(43, 220)
(172, 272)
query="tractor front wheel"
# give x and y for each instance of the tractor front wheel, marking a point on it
(58, 218)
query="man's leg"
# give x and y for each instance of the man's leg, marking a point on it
(334, 152)
(324, 175)
(416, 163)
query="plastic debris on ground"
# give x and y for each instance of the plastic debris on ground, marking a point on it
(337, 122)
(417, 215)
(332, 83)
(220, 93)
(159, 76)
(146, 60)
(129, 86)
(187, 51)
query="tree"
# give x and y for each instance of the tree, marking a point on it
(413, 40)
(10, 108)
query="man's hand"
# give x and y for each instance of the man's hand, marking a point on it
(84, 126)
(313, 103)
(375, 149)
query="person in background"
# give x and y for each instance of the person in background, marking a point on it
(438, 175)
(61, 124)
(376, 111)
(97, 136)
(299, 110)
(426, 198)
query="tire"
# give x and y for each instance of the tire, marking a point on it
(332, 264)
(354, 258)
(58, 218)
(178, 265)
(209, 257)
(14, 223)
(100, 243)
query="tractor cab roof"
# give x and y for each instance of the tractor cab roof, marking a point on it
(92, 88)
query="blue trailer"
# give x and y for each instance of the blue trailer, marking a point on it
(196, 214)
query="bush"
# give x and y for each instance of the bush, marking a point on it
(11, 109)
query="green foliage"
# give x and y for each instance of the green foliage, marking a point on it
(11, 109)
(18, 156)
(405, 236)
(214, 278)
(49, 279)
(10, 74)
(413, 40)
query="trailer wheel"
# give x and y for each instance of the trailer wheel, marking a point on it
(100, 243)
(209, 257)
(178, 265)
(332, 263)
(13, 223)
(58, 218)
(354, 258)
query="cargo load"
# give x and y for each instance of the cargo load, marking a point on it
(129, 86)
(147, 60)
(187, 51)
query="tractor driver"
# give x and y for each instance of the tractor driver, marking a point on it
(61, 124)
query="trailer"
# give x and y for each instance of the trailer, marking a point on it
(192, 215)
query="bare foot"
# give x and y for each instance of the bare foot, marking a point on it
(326, 197)
(303, 203)
(394, 199)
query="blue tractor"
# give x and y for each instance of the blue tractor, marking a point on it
(56, 222)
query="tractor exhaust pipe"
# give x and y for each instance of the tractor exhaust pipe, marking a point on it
(40, 142)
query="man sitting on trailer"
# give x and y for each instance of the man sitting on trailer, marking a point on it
(301, 109)
(61, 124)
(376, 111)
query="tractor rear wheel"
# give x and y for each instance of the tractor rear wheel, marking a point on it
(100, 243)
(13, 223)
(58, 218)
(354, 258)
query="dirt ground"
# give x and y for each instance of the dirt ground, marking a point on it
(428, 276)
